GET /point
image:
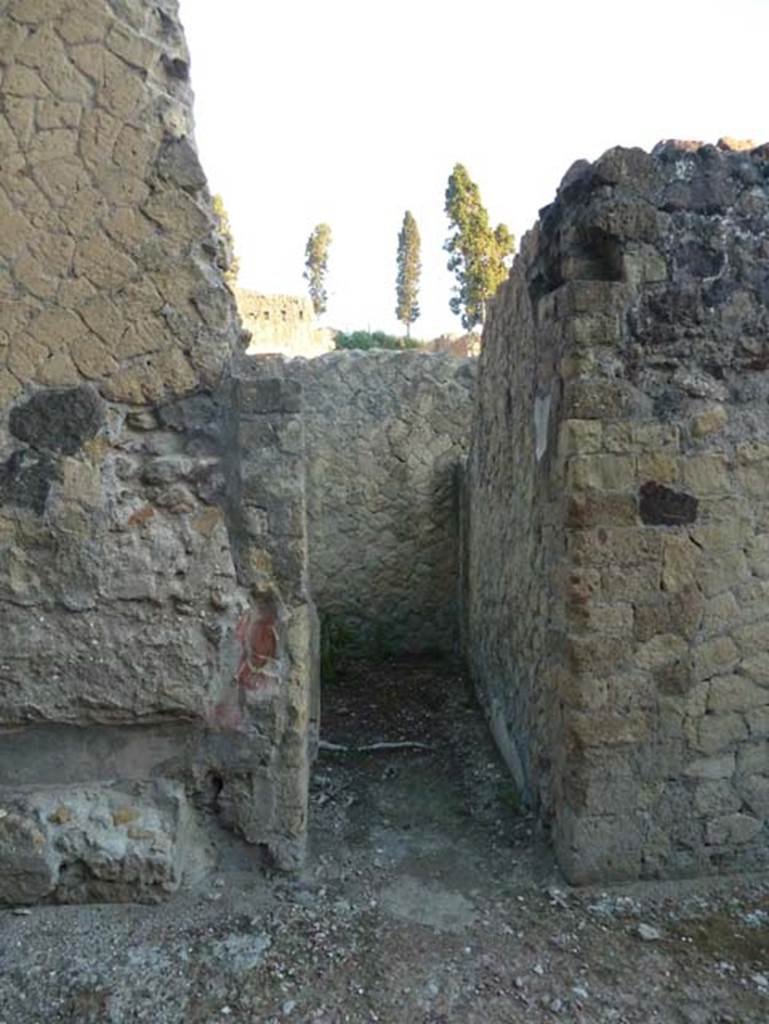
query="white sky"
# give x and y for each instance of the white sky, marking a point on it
(351, 112)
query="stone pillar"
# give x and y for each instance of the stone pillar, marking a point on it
(278, 672)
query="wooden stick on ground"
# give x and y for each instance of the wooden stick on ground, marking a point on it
(366, 748)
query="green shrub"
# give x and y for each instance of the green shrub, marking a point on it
(366, 340)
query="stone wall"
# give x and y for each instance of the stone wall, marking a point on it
(512, 534)
(156, 646)
(158, 669)
(455, 344)
(386, 432)
(621, 462)
(282, 324)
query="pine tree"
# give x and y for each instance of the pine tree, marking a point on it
(409, 271)
(229, 261)
(477, 254)
(316, 265)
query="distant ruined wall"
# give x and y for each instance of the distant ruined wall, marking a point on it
(282, 324)
(154, 639)
(619, 514)
(386, 432)
(455, 344)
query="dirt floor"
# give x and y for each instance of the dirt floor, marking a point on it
(427, 898)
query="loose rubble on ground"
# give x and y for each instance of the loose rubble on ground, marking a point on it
(429, 897)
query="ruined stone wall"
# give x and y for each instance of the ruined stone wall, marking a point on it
(455, 344)
(152, 657)
(512, 530)
(623, 637)
(386, 432)
(282, 324)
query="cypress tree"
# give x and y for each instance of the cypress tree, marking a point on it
(316, 265)
(409, 271)
(476, 252)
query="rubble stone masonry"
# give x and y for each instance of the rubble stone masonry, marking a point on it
(619, 514)
(155, 657)
(386, 433)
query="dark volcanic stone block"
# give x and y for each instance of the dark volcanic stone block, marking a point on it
(60, 421)
(25, 480)
(661, 506)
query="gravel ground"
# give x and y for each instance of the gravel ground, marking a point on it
(427, 898)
